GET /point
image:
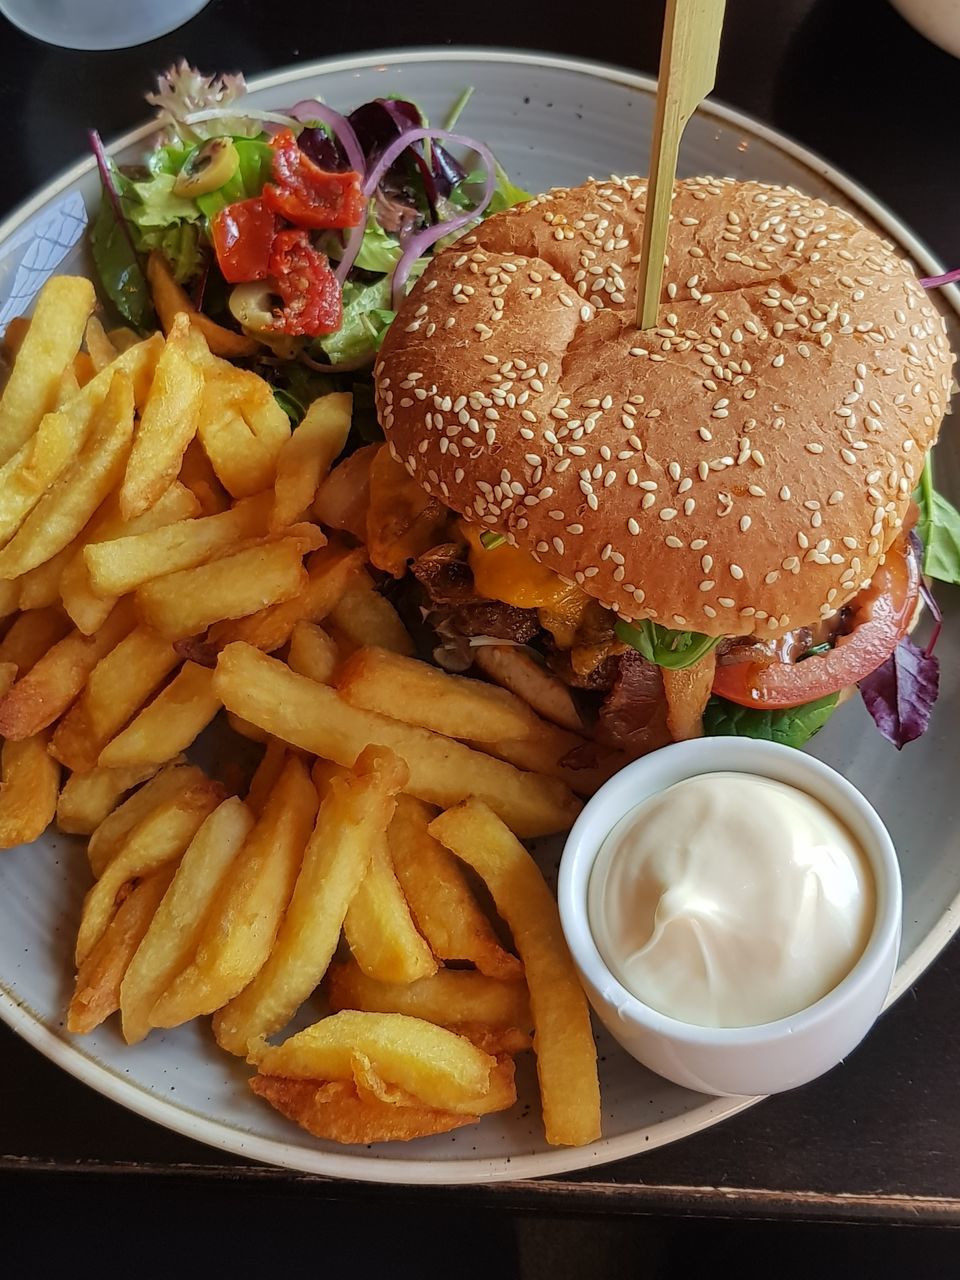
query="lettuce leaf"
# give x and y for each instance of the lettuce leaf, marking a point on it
(366, 318)
(254, 170)
(939, 530)
(790, 726)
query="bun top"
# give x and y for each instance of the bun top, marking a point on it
(741, 468)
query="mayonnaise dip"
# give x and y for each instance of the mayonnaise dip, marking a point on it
(730, 900)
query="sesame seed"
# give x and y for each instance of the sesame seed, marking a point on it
(674, 542)
(744, 523)
(736, 572)
(667, 513)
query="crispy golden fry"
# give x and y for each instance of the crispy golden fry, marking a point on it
(97, 989)
(546, 752)
(169, 300)
(443, 1070)
(47, 348)
(99, 347)
(13, 336)
(88, 609)
(156, 841)
(124, 564)
(74, 379)
(441, 901)
(334, 1111)
(450, 997)
(247, 730)
(407, 689)
(9, 598)
(176, 716)
(363, 617)
(240, 929)
(242, 428)
(116, 689)
(379, 928)
(167, 425)
(328, 572)
(88, 799)
(122, 338)
(8, 673)
(344, 496)
(40, 588)
(354, 811)
(171, 940)
(312, 652)
(566, 1054)
(31, 635)
(549, 697)
(308, 455)
(29, 781)
(313, 717)
(403, 520)
(45, 692)
(499, 1094)
(113, 831)
(37, 465)
(197, 473)
(186, 603)
(64, 510)
(265, 775)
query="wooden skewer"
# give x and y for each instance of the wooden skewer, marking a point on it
(688, 71)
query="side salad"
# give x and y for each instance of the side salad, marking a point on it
(301, 229)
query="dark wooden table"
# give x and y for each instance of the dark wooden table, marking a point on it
(877, 1139)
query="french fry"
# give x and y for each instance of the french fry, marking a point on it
(308, 455)
(75, 378)
(40, 588)
(9, 598)
(247, 730)
(441, 901)
(8, 673)
(88, 609)
(312, 652)
(328, 572)
(200, 478)
(566, 1054)
(116, 688)
(499, 1094)
(375, 679)
(122, 338)
(379, 928)
(545, 752)
(169, 300)
(29, 781)
(265, 775)
(242, 429)
(97, 989)
(450, 997)
(13, 336)
(241, 926)
(355, 810)
(31, 635)
(176, 716)
(156, 841)
(88, 799)
(47, 347)
(36, 466)
(167, 425)
(171, 940)
(111, 834)
(334, 1111)
(186, 603)
(443, 1070)
(125, 563)
(99, 347)
(45, 692)
(515, 670)
(362, 617)
(343, 497)
(64, 510)
(443, 772)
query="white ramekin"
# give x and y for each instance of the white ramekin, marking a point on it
(735, 1060)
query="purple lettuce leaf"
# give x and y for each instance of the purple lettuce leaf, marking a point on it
(901, 692)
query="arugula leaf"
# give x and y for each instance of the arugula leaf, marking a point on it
(673, 649)
(790, 726)
(939, 530)
(119, 272)
(901, 692)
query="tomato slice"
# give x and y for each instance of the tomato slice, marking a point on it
(307, 195)
(881, 616)
(312, 300)
(242, 239)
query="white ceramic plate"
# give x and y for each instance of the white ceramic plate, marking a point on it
(551, 121)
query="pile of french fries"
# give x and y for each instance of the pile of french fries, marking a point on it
(162, 560)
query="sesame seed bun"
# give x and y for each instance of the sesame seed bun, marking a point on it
(740, 469)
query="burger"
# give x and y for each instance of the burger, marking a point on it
(711, 516)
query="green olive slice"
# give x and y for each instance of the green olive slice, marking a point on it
(207, 168)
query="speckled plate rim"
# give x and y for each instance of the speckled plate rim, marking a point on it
(227, 1137)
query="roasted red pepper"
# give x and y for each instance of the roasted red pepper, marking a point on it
(307, 195)
(243, 235)
(312, 301)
